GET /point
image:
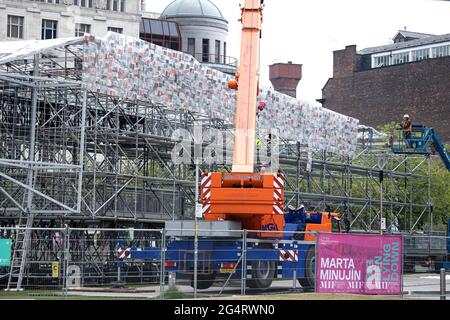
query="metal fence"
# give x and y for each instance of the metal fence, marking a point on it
(60, 261)
(163, 264)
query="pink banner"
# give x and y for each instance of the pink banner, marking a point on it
(359, 264)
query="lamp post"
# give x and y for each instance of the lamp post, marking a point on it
(198, 207)
(196, 227)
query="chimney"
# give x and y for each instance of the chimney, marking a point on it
(285, 77)
(345, 62)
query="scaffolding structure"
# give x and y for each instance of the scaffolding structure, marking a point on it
(70, 155)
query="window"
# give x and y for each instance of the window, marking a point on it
(116, 5)
(82, 3)
(156, 26)
(191, 46)
(224, 52)
(116, 30)
(205, 50)
(161, 33)
(81, 29)
(49, 29)
(388, 59)
(173, 29)
(421, 54)
(15, 27)
(166, 29)
(217, 56)
(51, 1)
(382, 61)
(442, 51)
(399, 58)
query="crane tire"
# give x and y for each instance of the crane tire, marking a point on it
(263, 272)
(308, 282)
(204, 281)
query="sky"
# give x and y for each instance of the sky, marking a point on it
(307, 32)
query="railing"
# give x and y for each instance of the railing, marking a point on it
(416, 143)
(215, 59)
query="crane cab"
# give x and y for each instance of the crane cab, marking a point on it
(330, 222)
(312, 222)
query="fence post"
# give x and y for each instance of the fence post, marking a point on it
(163, 261)
(294, 272)
(443, 285)
(403, 267)
(316, 259)
(195, 260)
(119, 279)
(244, 263)
(66, 260)
(294, 278)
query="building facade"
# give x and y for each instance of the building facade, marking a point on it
(193, 26)
(39, 19)
(379, 85)
(204, 32)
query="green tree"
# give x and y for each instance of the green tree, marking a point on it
(440, 191)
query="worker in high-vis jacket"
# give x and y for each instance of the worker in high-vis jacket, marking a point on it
(407, 128)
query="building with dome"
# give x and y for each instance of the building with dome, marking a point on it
(202, 32)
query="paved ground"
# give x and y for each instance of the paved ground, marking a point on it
(417, 286)
(424, 286)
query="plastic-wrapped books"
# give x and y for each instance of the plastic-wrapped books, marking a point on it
(134, 69)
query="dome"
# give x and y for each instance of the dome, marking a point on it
(192, 8)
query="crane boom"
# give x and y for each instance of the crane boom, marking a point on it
(253, 199)
(247, 79)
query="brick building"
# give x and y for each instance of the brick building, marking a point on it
(381, 84)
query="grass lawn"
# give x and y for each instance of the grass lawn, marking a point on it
(174, 295)
(48, 295)
(313, 296)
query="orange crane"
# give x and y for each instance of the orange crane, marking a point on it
(256, 200)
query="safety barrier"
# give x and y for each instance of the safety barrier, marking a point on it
(73, 263)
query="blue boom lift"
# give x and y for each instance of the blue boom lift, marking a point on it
(421, 142)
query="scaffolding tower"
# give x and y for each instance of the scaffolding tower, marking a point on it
(70, 154)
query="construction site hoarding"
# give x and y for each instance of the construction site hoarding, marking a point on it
(359, 264)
